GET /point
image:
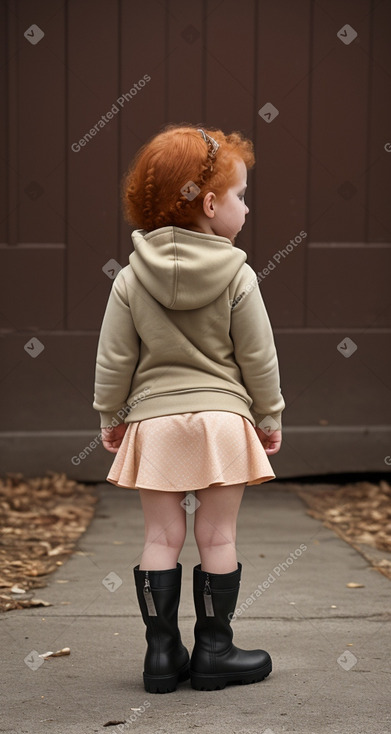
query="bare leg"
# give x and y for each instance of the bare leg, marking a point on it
(215, 527)
(165, 529)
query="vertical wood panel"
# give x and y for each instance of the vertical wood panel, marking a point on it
(229, 93)
(324, 388)
(12, 127)
(50, 392)
(339, 122)
(379, 112)
(184, 64)
(339, 290)
(282, 152)
(143, 52)
(32, 295)
(41, 122)
(3, 123)
(92, 185)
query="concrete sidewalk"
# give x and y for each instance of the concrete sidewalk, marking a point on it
(329, 644)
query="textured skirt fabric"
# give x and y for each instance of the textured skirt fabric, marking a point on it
(190, 451)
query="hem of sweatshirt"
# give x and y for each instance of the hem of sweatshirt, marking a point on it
(157, 406)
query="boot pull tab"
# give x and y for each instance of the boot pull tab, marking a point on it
(209, 611)
(148, 596)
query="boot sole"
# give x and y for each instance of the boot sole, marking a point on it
(216, 681)
(166, 683)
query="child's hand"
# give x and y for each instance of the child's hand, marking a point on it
(112, 437)
(271, 443)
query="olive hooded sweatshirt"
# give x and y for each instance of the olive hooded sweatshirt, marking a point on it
(186, 330)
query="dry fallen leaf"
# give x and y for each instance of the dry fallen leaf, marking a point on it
(41, 519)
(8, 603)
(64, 651)
(384, 563)
(114, 723)
(38, 603)
(350, 510)
(58, 654)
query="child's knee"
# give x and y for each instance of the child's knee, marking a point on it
(172, 536)
(208, 535)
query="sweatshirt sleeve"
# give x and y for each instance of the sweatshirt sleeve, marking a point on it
(117, 356)
(255, 351)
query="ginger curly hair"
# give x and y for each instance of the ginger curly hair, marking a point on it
(151, 188)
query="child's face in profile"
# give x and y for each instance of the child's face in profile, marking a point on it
(225, 215)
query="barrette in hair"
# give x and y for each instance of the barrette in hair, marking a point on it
(212, 144)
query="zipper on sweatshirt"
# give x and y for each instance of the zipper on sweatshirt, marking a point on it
(209, 611)
(148, 596)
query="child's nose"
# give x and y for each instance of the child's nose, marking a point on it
(247, 209)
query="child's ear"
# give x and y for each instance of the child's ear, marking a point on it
(208, 204)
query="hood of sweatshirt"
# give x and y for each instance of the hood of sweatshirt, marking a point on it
(183, 269)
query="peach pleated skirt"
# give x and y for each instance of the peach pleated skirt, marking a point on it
(190, 451)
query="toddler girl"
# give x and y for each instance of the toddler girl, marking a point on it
(187, 386)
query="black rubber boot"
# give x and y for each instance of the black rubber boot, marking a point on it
(166, 660)
(215, 661)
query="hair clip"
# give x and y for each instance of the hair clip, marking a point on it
(212, 144)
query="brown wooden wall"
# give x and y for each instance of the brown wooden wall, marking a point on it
(323, 166)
